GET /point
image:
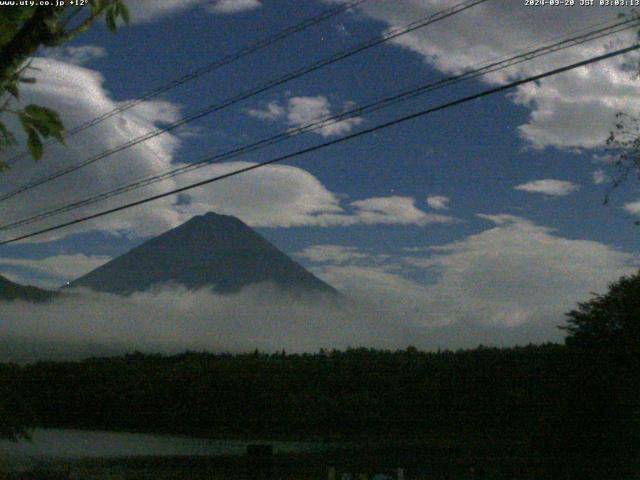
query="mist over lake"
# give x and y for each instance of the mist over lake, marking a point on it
(66, 444)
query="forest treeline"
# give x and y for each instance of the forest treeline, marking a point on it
(551, 404)
(326, 394)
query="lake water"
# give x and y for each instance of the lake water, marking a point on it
(56, 444)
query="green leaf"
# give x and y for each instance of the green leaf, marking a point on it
(6, 137)
(46, 121)
(12, 88)
(111, 19)
(57, 134)
(39, 112)
(42, 128)
(39, 122)
(35, 144)
(124, 13)
(96, 5)
(25, 121)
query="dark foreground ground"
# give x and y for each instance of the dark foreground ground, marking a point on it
(445, 460)
(415, 462)
(537, 412)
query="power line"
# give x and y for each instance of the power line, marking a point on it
(305, 151)
(245, 95)
(329, 120)
(210, 67)
(333, 119)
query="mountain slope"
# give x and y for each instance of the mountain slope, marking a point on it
(209, 250)
(15, 291)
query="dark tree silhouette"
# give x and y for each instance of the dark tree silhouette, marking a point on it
(610, 321)
(599, 427)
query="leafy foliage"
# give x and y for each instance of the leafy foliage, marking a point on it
(624, 139)
(6, 138)
(40, 122)
(25, 29)
(610, 321)
(624, 144)
(113, 12)
(605, 334)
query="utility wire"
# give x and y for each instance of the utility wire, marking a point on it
(229, 59)
(243, 96)
(314, 148)
(333, 119)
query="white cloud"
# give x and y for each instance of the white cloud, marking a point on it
(77, 55)
(557, 188)
(604, 159)
(600, 177)
(272, 111)
(234, 6)
(508, 284)
(438, 202)
(398, 210)
(341, 255)
(520, 272)
(285, 196)
(277, 195)
(173, 319)
(301, 111)
(573, 110)
(305, 110)
(632, 207)
(331, 253)
(151, 10)
(78, 94)
(386, 292)
(514, 275)
(274, 196)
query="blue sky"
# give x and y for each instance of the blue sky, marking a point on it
(488, 213)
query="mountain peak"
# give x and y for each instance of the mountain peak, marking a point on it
(212, 217)
(210, 250)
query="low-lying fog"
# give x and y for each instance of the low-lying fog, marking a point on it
(84, 323)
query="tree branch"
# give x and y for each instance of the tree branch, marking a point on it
(35, 31)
